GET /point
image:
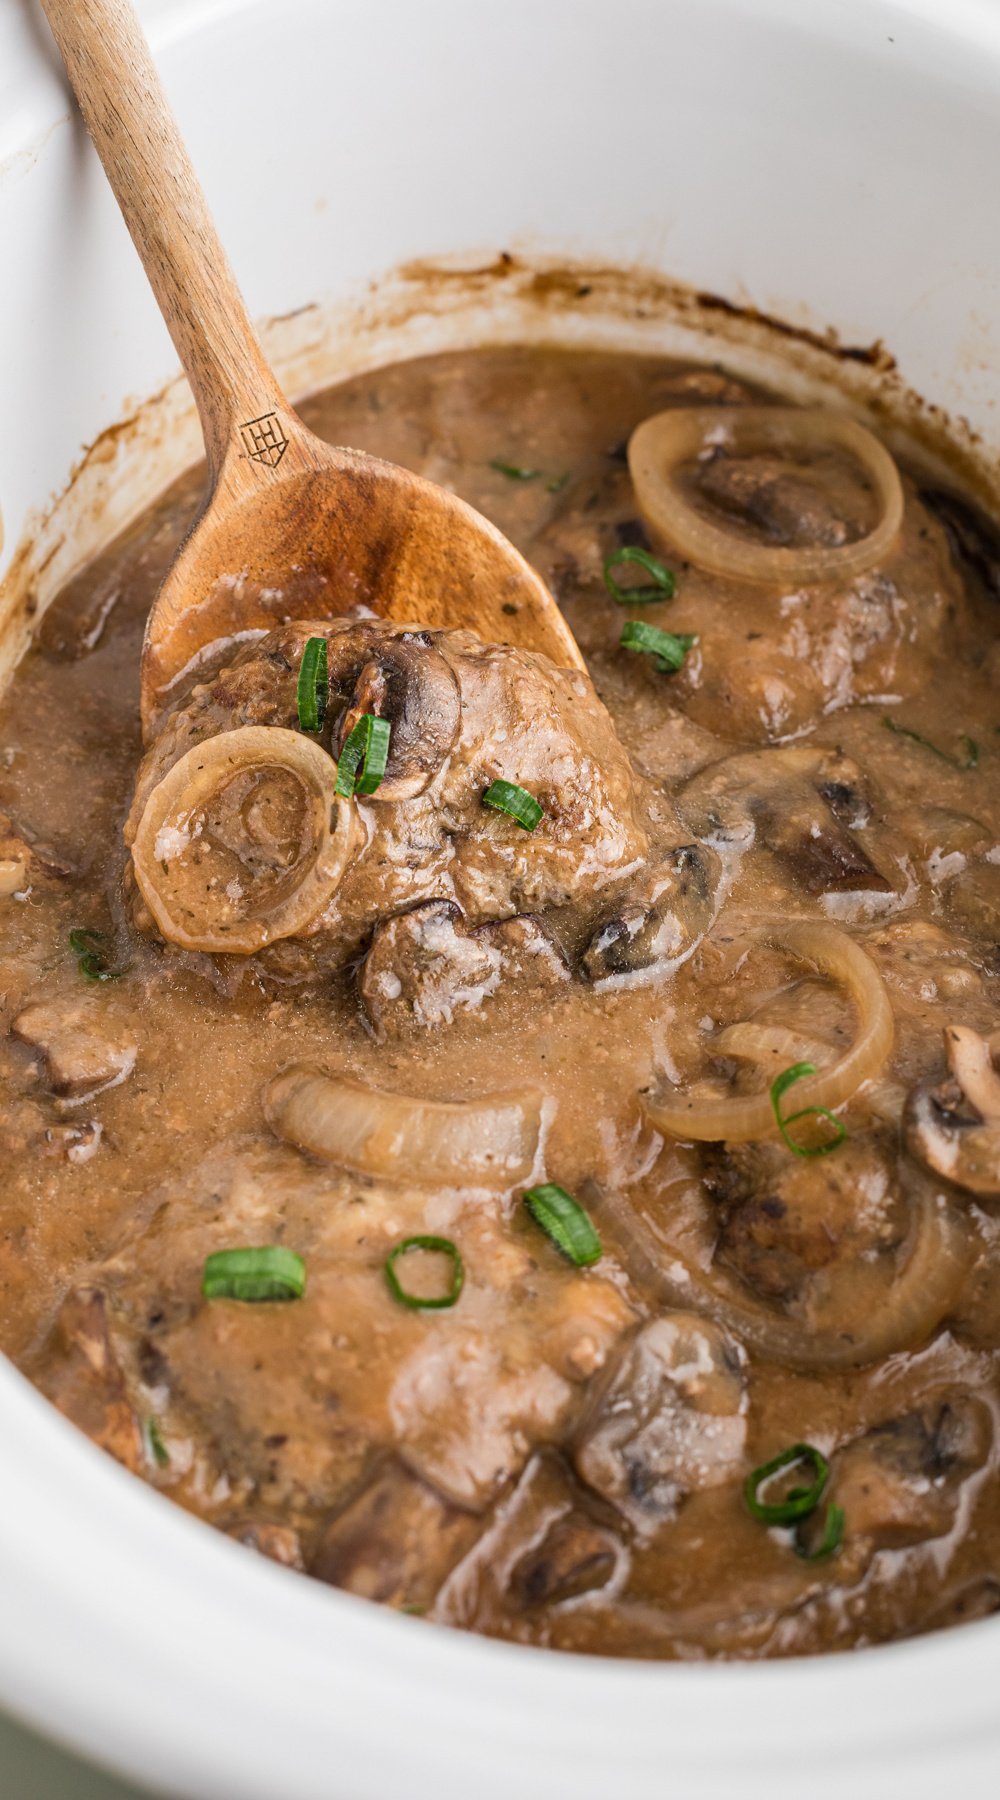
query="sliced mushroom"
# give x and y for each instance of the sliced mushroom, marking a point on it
(672, 1419)
(547, 1545)
(403, 678)
(900, 1482)
(652, 935)
(396, 1542)
(804, 805)
(953, 1126)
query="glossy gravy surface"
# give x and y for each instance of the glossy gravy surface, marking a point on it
(560, 1457)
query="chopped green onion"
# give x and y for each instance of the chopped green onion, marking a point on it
(86, 947)
(668, 647)
(663, 586)
(362, 761)
(513, 471)
(556, 485)
(564, 1220)
(311, 692)
(779, 1087)
(157, 1448)
(419, 1303)
(800, 1501)
(970, 749)
(507, 797)
(831, 1540)
(268, 1273)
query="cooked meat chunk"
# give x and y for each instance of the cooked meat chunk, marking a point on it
(974, 898)
(82, 1050)
(781, 503)
(22, 861)
(463, 715)
(467, 1413)
(784, 1220)
(672, 1419)
(79, 1370)
(396, 1542)
(780, 661)
(276, 1542)
(424, 966)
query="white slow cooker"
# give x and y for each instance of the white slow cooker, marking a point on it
(832, 162)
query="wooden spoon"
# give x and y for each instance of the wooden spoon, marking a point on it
(290, 528)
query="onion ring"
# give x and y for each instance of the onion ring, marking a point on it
(741, 1119)
(660, 444)
(210, 919)
(926, 1284)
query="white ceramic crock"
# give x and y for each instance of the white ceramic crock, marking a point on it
(831, 161)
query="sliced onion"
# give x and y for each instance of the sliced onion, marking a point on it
(491, 1142)
(771, 1044)
(862, 1320)
(660, 444)
(173, 861)
(743, 1118)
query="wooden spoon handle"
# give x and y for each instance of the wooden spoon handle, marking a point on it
(136, 137)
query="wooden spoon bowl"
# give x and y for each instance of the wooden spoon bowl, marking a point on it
(290, 528)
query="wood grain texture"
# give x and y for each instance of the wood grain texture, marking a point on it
(291, 527)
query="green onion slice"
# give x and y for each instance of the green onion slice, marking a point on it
(800, 1501)
(507, 797)
(779, 1087)
(362, 760)
(91, 961)
(668, 647)
(969, 758)
(268, 1273)
(662, 587)
(157, 1448)
(419, 1302)
(513, 471)
(564, 1220)
(831, 1540)
(310, 695)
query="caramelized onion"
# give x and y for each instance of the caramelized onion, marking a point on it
(661, 444)
(740, 1119)
(476, 1143)
(864, 1316)
(180, 869)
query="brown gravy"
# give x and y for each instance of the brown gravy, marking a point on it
(560, 1457)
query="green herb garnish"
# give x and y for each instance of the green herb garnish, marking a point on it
(564, 1220)
(507, 797)
(662, 587)
(513, 471)
(669, 648)
(362, 760)
(310, 695)
(268, 1273)
(91, 962)
(970, 749)
(831, 1540)
(779, 1087)
(799, 1501)
(418, 1302)
(157, 1448)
